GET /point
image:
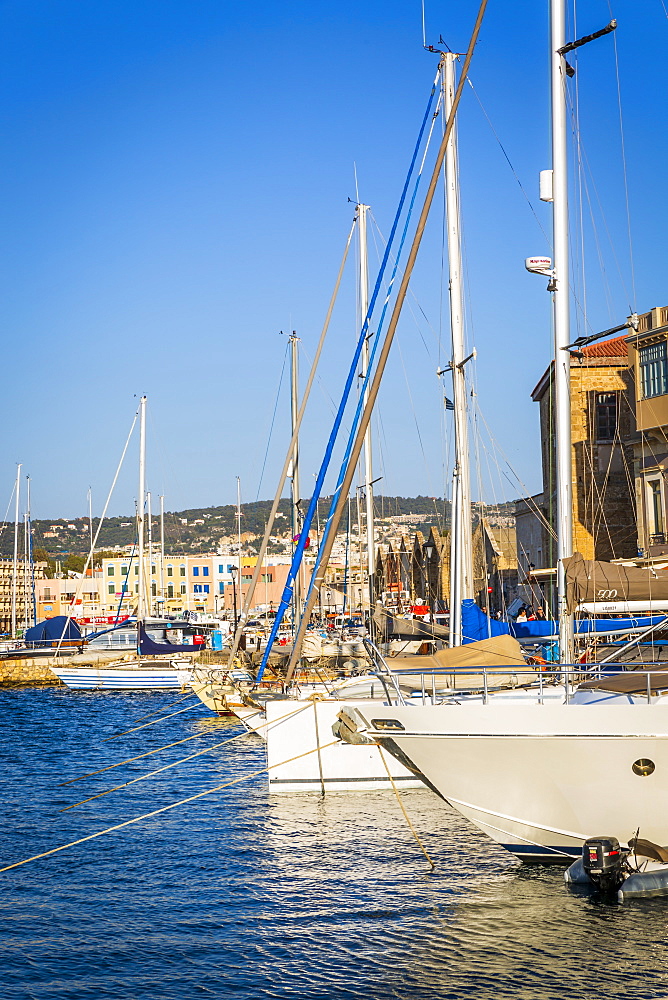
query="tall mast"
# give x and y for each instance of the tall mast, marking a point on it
(238, 516)
(26, 556)
(560, 293)
(461, 569)
(31, 613)
(149, 516)
(15, 565)
(90, 526)
(455, 632)
(294, 410)
(368, 455)
(162, 551)
(140, 507)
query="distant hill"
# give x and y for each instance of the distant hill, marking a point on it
(201, 529)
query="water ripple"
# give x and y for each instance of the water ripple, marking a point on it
(242, 895)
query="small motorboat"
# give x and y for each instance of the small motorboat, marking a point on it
(637, 872)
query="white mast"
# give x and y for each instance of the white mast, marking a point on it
(560, 291)
(90, 525)
(149, 588)
(140, 508)
(294, 409)
(26, 556)
(162, 551)
(461, 567)
(368, 455)
(15, 565)
(239, 541)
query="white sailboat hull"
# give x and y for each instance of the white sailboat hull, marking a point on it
(124, 677)
(294, 732)
(539, 780)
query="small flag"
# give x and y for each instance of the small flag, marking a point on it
(449, 405)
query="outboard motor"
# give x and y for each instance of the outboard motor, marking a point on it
(603, 861)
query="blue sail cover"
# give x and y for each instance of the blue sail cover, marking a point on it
(149, 647)
(52, 630)
(476, 625)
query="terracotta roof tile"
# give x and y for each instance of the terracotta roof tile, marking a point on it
(615, 348)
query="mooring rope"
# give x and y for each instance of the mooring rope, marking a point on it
(156, 812)
(164, 708)
(182, 760)
(402, 807)
(155, 721)
(129, 760)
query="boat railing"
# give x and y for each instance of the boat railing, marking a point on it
(488, 680)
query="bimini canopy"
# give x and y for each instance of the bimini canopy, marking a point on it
(51, 631)
(590, 580)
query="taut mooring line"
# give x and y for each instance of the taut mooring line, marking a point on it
(129, 760)
(156, 812)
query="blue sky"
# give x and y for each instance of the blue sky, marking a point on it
(175, 180)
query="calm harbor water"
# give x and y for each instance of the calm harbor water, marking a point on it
(245, 896)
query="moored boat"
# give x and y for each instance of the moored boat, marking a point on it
(138, 674)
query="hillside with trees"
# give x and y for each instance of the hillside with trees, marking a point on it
(202, 529)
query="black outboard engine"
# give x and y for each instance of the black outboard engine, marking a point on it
(603, 861)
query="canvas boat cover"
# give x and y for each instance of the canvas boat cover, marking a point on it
(589, 580)
(149, 647)
(497, 655)
(631, 682)
(52, 630)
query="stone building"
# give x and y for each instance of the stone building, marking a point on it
(602, 421)
(648, 361)
(415, 572)
(495, 574)
(602, 429)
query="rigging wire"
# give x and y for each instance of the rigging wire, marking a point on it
(622, 145)
(99, 528)
(512, 168)
(299, 550)
(273, 419)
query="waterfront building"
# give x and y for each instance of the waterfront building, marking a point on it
(202, 583)
(602, 428)
(648, 362)
(23, 589)
(81, 597)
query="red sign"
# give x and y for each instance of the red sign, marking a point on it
(109, 620)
